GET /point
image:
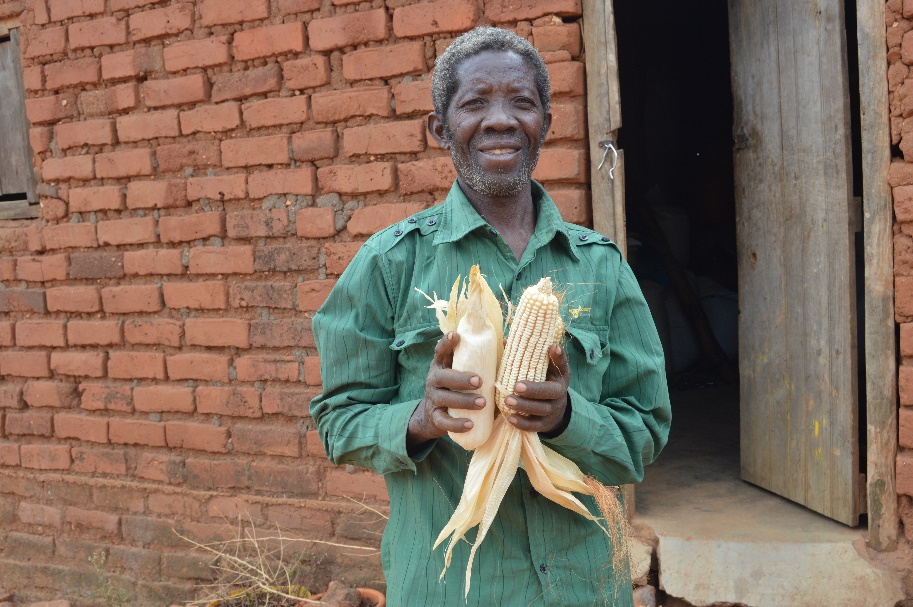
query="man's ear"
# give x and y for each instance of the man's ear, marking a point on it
(436, 128)
(546, 125)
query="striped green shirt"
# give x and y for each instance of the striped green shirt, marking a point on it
(376, 338)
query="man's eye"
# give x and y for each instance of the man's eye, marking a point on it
(525, 101)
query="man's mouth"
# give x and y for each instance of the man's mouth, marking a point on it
(500, 151)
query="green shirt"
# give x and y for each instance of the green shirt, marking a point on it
(376, 338)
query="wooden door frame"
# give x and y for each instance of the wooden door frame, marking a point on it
(604, 118)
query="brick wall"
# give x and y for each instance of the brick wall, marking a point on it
(207, 169)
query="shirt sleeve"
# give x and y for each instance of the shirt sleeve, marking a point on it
(614, 439)
(356, 417)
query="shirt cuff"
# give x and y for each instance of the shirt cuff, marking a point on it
(393, 424)
(580, 433)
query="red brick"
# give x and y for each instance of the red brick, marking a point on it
(306, 73)
(177, 157)
(39, 514)
(211, 118)
(125, 163)
(217, 474)
(573, 205)
(558, 164)
(268, 41)
(123, 5)
(507, 11)
(216, 332)
(314, 445)
(388, 138)
(267, 368)
(314, 145)
(110, 100)
(159, 194)
(557, 38)
(227, 508)
(286, 258)
(93, 333)
(196, 295)
(290, 181)
(208, 52)
(255, 151)
(9, 454)
(47, 41)
(73, 72)
(136, 365)
(40, 139)
(357, 485)
(266, 440)
(339, 106)
(315, 222)
(312, 371)
(22, 300)
(262, 295)
(566, 78)
(351, 29)
(6, 340)
(434, 18)
(199, 437)
(36, 333)
(103, 198)
(290, 7)
(136, 432)
(66, 9)
(253, 224)
(208, 367)
(905, 423)
(64, 169)
(412, 97)
(50, 394)
(163, 398)
(229, 12)
(88, 132)
(99, 461)
(276, 111)
(99, 32)
(339, 254)
(368, 220)
(233, 401)
(139, 127)
(176, 91)
(44, 110)
(82, 427)
(157, 331)
(904, 473)
(70, 235)
(903, 294)
(137, 230)
(80, 364)
(101, 264)
(45, 457)
(41, 269)
(312, 294)
(33, 78)
(162, 468)
(227, 187)
(94, 520)
(284, 333)
(903, 203)
(568, 121)
(100, 397)
(294, 403)
(161, 22)
(254, 81)
(906, 342)
(294, 480)
(384, 61)
(153, 262)
(357, 179)
(29, 423)
(186, 228)
(222, 260)
(900, 173)
(131, 64)
(74, 299)
(133, 298)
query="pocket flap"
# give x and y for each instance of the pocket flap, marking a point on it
(410, 337)
(589, 341)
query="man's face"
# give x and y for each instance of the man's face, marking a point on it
(495, 123)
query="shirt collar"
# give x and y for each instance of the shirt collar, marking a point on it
(459, 218)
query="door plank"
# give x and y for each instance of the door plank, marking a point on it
(15, 152)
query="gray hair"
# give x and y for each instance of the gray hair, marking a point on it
(473, 42)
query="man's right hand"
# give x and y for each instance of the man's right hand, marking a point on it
(430, 420)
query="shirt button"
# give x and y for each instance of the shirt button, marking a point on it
(400, 343)
(431, 222)
(398, 233)
(592, 354)
(544, 568)
(411, 220)
(492, 232)
(584, 237)
(604, 239)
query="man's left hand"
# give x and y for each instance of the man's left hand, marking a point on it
(543, 405)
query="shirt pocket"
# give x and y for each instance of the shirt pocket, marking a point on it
(588, 357)
(414, 349)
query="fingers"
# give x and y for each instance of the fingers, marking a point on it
(443, 351)
(449, 399)
(531, 423)
(443, 420)
(455, 380)
(558, 368)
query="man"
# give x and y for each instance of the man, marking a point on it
(386, 370)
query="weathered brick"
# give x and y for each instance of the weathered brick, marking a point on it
(29, 423)
(94, 333)
(501, 11)
(339, 106)
(7, 328)
(176, 91)
(154, 331)
(29, 547)
(254, 224)
(107, 31)
(294, 403)
(276, 111)
(357, 179)
(294, 480)
(368, 220)
(216, 332)
(428, 18)
(87, 132)
(102, 198)
(211, 118)
(565, 37)
(290, 7)
(229, 12)
(36, 333)
(384, 61)
(159, 194)
(172, 504)
(93, 520)
(339, 254)
(124, 5)
(315, 222)
(67, 9)
(131, 298)
(39, 514)
(227, 187)
(208, 52)
(153, 262)
(42, 269)
(255, 151)
(568, 121)
(266, 368)
(139, 127)
(161, 22)
(314, 445)
(412, 97)
(904, 472)
(388, 138)
(22, 300)
(163, 398)
(312, 294)
(100, 397)
(187, 228)
(558, 164)
(266, 440)
(103, 102)
(905, 425)
(10, 396)
(350, 29)
(268, 41)
(51, 393)
(357, 485)
(9, 456)
(178, 157)
(162, 468)
(125, 163)
(254, 81)
(71, 167)
(45, 457)
(99, 461)
(217, 474)
(312, 371)
(136, 230)
(136, 432)
(314, 145)
(45, 110)
(306, 73)
(40, 138)
(72, 72)
(70, 235)
(199, 437)
(289, 181)
(136, 365)
(262, 295)
(131, 64)
(79, 364)
(47, 41)
(81, 427)
(573, 205)
(566, 78)
(283, 333)
(74, 299)
(286, 258)
(33, 78)
(102, 264)
(232, 401)
(222, 260)
(209, 367)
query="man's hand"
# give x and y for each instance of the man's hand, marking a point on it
(544, 405)
(430, 419)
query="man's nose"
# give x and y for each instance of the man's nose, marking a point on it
(500, 117)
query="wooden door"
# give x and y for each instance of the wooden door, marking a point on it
(797, 322)
(17, 182)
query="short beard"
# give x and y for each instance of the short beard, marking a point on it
(495, 185)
